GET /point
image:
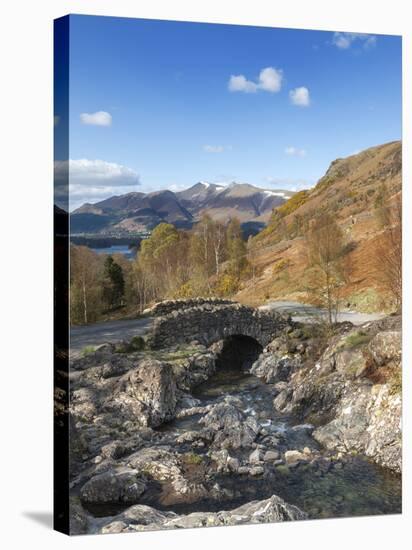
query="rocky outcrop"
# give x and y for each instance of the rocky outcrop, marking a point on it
(145, 518)
(145, 394)
(368, 418)
(353, 393)
(367, 421)
(209, 323)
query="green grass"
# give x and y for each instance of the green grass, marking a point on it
(88, 350)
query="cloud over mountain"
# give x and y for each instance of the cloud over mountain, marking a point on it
(91, 180)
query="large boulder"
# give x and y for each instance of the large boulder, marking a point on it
(386, 347)
(230, 427)
(148, 393)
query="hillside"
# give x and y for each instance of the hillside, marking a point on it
(135, 212)
(349, 191)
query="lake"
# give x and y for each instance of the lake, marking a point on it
(129, 253)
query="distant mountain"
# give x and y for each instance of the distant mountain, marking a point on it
(135, 212)
(241, 200)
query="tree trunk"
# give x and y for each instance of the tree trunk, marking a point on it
(84, 302)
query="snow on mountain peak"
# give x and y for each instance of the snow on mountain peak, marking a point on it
(275, 193)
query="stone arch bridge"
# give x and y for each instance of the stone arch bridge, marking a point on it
(208, 321)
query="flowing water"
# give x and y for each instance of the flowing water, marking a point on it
(351, 486)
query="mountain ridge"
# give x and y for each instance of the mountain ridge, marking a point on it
(137, 211)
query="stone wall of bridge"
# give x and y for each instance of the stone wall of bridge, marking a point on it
(208, 323)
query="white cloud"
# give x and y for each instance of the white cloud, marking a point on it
(295, 152)
(176, 187)
(87, 172)
(270, 80)
(100, 118)
(290, 184)
(300, 96)
(344, 40)
(239, 83)
(93, 180)
(216, 148)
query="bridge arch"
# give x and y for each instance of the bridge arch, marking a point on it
(237, 352)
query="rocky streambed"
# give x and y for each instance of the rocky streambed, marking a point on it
(193, 436)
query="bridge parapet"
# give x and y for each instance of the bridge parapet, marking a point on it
(168, 306)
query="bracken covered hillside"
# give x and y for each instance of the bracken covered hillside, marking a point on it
(356, 191)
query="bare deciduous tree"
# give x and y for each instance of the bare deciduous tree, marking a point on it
(389, 254)
(85, 285)
(326, 264)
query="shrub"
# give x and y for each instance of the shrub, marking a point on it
(184, 291)
(293, 203)
(227, 284)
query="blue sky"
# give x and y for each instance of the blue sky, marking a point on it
(161, 104)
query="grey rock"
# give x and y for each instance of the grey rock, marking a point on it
(256, 457)
(386, 347)
(121, 486)
(79, 519)
(140, 518)
(294, 456)
(148, 393)
(273, 368)
(256, 470)
(271, 456)
(232, 430)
